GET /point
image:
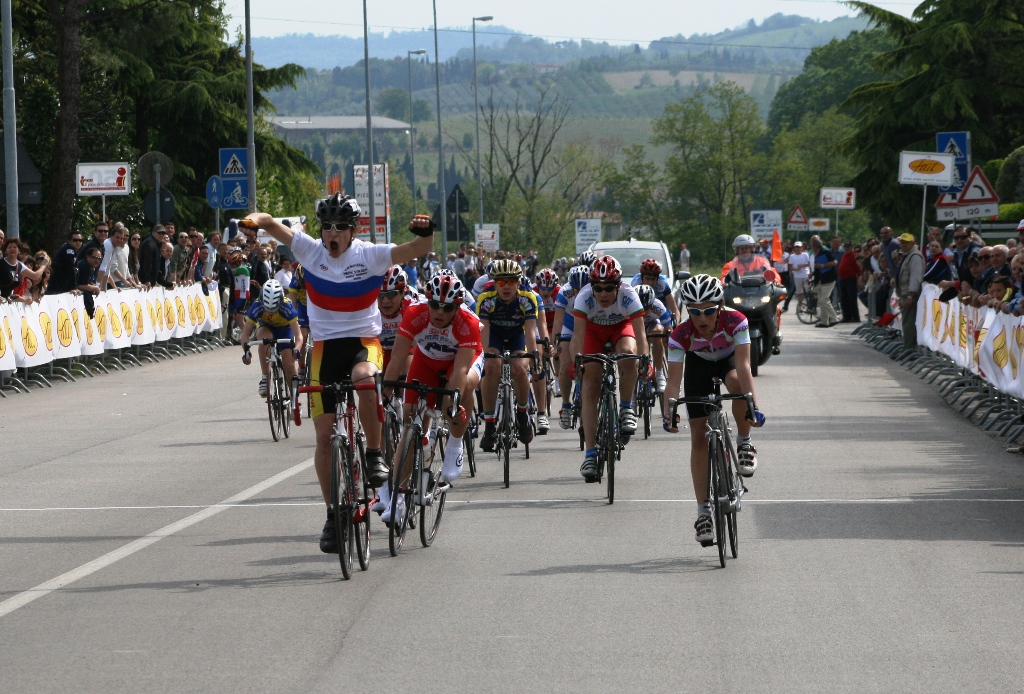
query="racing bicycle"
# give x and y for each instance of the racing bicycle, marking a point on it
(725, 487)
(351, 492)
(416, 480)
(610, 441)
(506, 436)
(279, 388)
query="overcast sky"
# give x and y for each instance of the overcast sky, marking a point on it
(628, 22)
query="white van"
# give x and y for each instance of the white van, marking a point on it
(632, 252)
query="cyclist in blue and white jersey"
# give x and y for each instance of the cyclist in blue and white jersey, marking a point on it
(650, 274)
(576, 279)
(657, 321)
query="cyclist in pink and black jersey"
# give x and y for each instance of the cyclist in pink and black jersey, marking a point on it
(714, 342)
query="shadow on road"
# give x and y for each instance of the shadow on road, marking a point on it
(669, 565)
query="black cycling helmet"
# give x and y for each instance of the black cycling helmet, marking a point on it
(337, 209)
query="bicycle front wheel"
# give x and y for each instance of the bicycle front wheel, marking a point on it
(805, 313)
(341, 501)
(732, 485)
(470, 449)
(611, 441)
(432, 499)
(361, 512)
(284, 401)
(719, 497)
(272, 412)
(407, 468)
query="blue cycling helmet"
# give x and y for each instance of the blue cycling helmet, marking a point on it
(579, 277)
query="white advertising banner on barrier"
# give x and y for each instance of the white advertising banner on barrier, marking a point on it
(58, 327)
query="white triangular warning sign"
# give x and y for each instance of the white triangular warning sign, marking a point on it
(977, 190)
(948, 200)
(234, 167)
(797, 216)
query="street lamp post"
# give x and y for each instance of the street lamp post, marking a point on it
(440, 144)
(476, 113)
(412, 131)
(372, 212)
(10, 126)
(250, 139)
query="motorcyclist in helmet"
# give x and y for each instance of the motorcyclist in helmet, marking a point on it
(748, 261)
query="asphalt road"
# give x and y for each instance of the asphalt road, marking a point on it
(881, 550)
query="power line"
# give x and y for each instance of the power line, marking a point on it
(552, 36)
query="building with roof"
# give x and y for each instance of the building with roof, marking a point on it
(297, 129)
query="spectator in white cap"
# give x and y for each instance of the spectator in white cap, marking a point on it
(799, 269)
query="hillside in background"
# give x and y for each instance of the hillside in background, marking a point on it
(779, 39)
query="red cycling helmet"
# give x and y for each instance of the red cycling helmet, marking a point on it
(650, 267)
(445, 289)
(547, 279)
(605, 269)
(395, 279)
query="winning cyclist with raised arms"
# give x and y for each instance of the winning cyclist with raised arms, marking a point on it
(714, 342)
(343, 278)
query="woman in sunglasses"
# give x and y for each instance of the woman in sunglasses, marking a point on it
(713, 342)
(444, 338)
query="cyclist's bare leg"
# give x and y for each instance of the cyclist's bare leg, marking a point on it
(263, 333)
(739, 407)
(367, 399)
(657, 347)
(466, 401)
(520, 379)
(564, 382)
(291, 367)
(540, 391)
(591, 393)
(699, 458)
(489, 383)
(324, 426)
(627, 368)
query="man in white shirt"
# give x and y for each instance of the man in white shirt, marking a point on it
(799, 264)
(684, 257)
(284, 275)
(114, 268)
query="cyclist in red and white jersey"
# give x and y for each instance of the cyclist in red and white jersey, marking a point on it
(714, 342)
(607, 311)
(445, 340)
(395, 297)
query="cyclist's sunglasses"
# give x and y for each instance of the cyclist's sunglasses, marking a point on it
(710, 311)
(391, 294)
(438, 306)
(603, 288)
(507, 282)
(327, 226)
(960, 237)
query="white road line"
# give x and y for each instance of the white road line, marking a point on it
(24, 598)
(510, 502)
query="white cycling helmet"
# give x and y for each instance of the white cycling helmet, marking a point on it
(744, 240)
(702, 289)
(272, 295)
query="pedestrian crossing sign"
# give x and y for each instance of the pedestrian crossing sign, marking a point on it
(234, 162)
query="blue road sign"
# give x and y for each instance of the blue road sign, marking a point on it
(234, 163)
(959, 145)
(214, 191)
(235, 195)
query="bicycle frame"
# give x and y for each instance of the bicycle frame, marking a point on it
(280, 390)
(506, 435)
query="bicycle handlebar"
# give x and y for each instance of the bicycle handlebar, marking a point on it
(342, 387)
(423, 390)
(270, 341)
(714, 400)
(609, 358)
(507, 356)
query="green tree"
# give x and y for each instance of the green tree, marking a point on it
(830, 73)
(956, 65)
(713, 166)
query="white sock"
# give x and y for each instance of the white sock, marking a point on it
(740, 440)
(703, 509)
(452, 467)
(384, 493)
